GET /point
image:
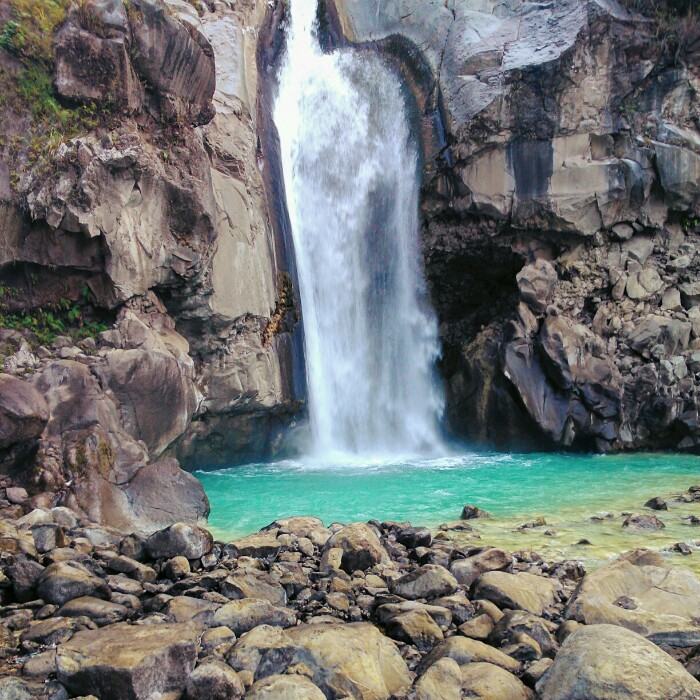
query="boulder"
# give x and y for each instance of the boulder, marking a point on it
(415, 627)
(214, 680)
(466, 651)
(260, 545)
(101, 612)
(284, 688)
(349, 660)
(656, 503)
(428, 581)
(361, 547)
(66, 580)
(184, 608)
(466, 571)
(535, 284)
(388, 611)
(471, 512)
(180, 540)
(442, 681)
(253, 584)
(642, 522)
(413, 537)
(520, 591)
(514, 623)
(242, 615)
(24, 412)
(128, 662)
(585, 668)
(645, 595)
(24, 574)
(300, 526)
(484, 681)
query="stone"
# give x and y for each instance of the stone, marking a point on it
(180, 540)
(331, 560)
(441, 681)
(285, 687)
(671, 300)
(187, 609)
(101, 612)
(642, 522)
(345, 660)
(130, 662)
(471, 512)
(515, 623)
(47, 537)
(666, 599)
(214, 680)
(24, 412)
(388, 611)
(656, 503)
(243, 615)
(176, 568)
(63, 581)
(479, 627)
(16, 494)
(361, 547)
(253, 584)
(49, 632)
(40, 666)
(260, 546)
(428, 581)
(466, 651)
(585, 668)
(520, 591)
(535, 284)
(466, 571)
(412, 537)
(131, 567)
(24, 574)
(416, 628)
(484, 681)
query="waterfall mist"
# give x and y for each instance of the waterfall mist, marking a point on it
(352, 184)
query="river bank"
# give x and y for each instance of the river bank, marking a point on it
(299, 610)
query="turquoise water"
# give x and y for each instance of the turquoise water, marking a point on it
(566, 489)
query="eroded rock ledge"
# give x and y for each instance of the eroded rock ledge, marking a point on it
(564, 133)
(369, 611)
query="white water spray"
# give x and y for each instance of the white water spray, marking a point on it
(352, 182)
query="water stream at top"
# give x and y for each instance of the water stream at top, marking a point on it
(352, 181)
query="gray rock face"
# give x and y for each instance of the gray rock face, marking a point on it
(128, 661)
(585, 668)
(23, 412)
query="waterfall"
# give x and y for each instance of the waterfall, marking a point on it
(352, 182)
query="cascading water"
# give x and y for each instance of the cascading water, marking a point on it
(352, 182)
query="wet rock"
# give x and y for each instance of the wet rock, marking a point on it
(416, 628)
(466, 571)
(585, 668)
(642, 522)
(101, 612)
(484, 681)
(656, 503)
(429, 581)
(63, 581)
(361, 547)
(180, 540)
(412, 537)
(666, 599)
(243, 615)
(284, 688)
(466, 651)
(133, 662)
(442, 681)
(520, 591)
(214, 680)
(472, 512)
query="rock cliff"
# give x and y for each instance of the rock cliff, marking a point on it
(560, 213)
(146, 308)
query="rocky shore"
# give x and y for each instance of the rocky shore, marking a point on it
(302, 611)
